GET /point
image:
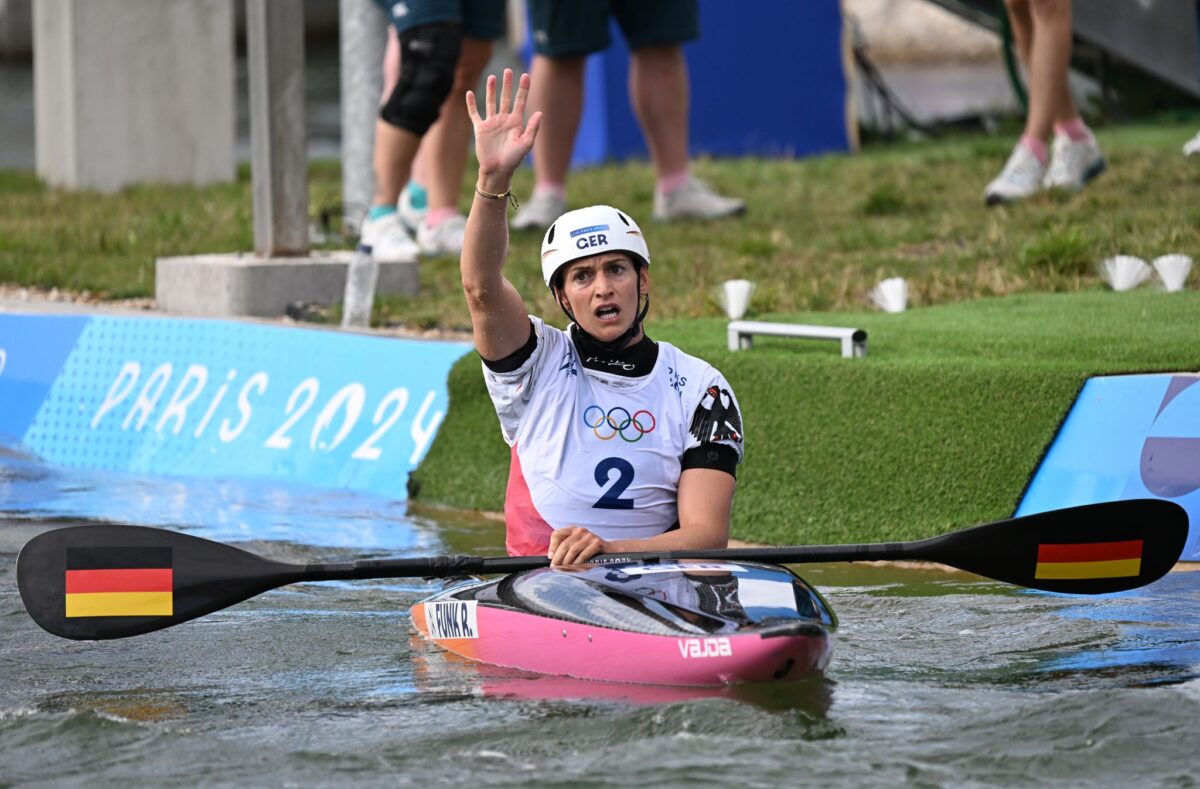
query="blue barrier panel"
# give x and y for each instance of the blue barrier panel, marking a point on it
(222, 399)
(767, 78)
(1126, 437)
(33, 350)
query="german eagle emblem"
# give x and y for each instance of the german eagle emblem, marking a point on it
(716, 418)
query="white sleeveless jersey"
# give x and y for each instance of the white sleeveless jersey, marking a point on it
(598, 450)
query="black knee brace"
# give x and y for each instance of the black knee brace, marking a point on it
(428, 57)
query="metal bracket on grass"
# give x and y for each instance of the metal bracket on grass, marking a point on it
(854, 341)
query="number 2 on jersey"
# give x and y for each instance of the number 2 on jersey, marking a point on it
(611, 500)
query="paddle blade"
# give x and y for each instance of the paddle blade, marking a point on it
(1092, 549)
(100, 581)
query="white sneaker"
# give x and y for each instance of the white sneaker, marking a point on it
(540, 212)
(390, 242)
(1073, 164)
(695, 200)
(411, 216)
(1021, 177)
(1192, 146)
(445, 239)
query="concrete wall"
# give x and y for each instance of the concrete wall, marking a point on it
(16, 24)
(129, 91)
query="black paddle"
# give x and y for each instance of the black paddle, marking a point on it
(99, 581)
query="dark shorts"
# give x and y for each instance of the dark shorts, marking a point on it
(479, 18)
(569, 28)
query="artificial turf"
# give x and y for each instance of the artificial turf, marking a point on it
(940, 426)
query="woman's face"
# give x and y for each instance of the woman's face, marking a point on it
(602, 293)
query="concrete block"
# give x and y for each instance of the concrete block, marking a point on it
(278, 147)
(245, 284)
(129, 91)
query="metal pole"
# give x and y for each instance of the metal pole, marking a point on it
(278, 142)
(363, 31)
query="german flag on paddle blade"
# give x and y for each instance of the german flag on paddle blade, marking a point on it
(1079, 561)
(119, 582)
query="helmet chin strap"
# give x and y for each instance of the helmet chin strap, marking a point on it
(620, 343)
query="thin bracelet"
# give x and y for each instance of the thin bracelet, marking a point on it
(512, 198)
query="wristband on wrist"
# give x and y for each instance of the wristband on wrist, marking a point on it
(512, 198)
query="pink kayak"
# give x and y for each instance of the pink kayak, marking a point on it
(687, 622)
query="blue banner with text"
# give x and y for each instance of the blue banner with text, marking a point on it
(213, 398)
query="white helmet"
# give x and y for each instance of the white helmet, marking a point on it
(590, 231)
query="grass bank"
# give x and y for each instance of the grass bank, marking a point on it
(940, 426)
(819, 232)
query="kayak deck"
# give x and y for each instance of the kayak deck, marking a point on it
(683, 623)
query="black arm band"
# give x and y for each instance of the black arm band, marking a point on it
(720, 457)
(517, 358)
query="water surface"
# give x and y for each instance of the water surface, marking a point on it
(938, 679)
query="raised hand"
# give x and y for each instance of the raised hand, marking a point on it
(502, 137)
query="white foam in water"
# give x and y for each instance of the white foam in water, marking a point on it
(1125, 272)
(891, 295)
(1173, 271)
(735, 297)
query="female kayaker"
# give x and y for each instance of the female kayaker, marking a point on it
(619, 443)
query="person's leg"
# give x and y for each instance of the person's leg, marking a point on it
(445, 149)
(565, 32)
(1025, 169)
(390, 241)
(391, 151)
(1049, 60)
(556, 87)
(445, 146)
(413, 200)
(1075, 158)
(395, 149)
(391, 63)
(658, 89)
(1021, 23)
(429, 51)
(660, 93)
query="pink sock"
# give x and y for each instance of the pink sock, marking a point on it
(669, 183)
(435, 216)
(552, 188)
(1035, 146)
(1075, 128)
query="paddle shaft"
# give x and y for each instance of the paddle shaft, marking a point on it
(452, 566)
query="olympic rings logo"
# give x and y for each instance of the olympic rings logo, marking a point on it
(630, 427)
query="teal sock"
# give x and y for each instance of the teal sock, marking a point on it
(380, 210)
(418, 196)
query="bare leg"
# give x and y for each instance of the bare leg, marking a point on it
(391, 63)
(1050, 99)
(557, 86)
(1021, 22)
(420, 170)
(658, 86)
(445, 145)
(395, 149)
(1042, 33)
